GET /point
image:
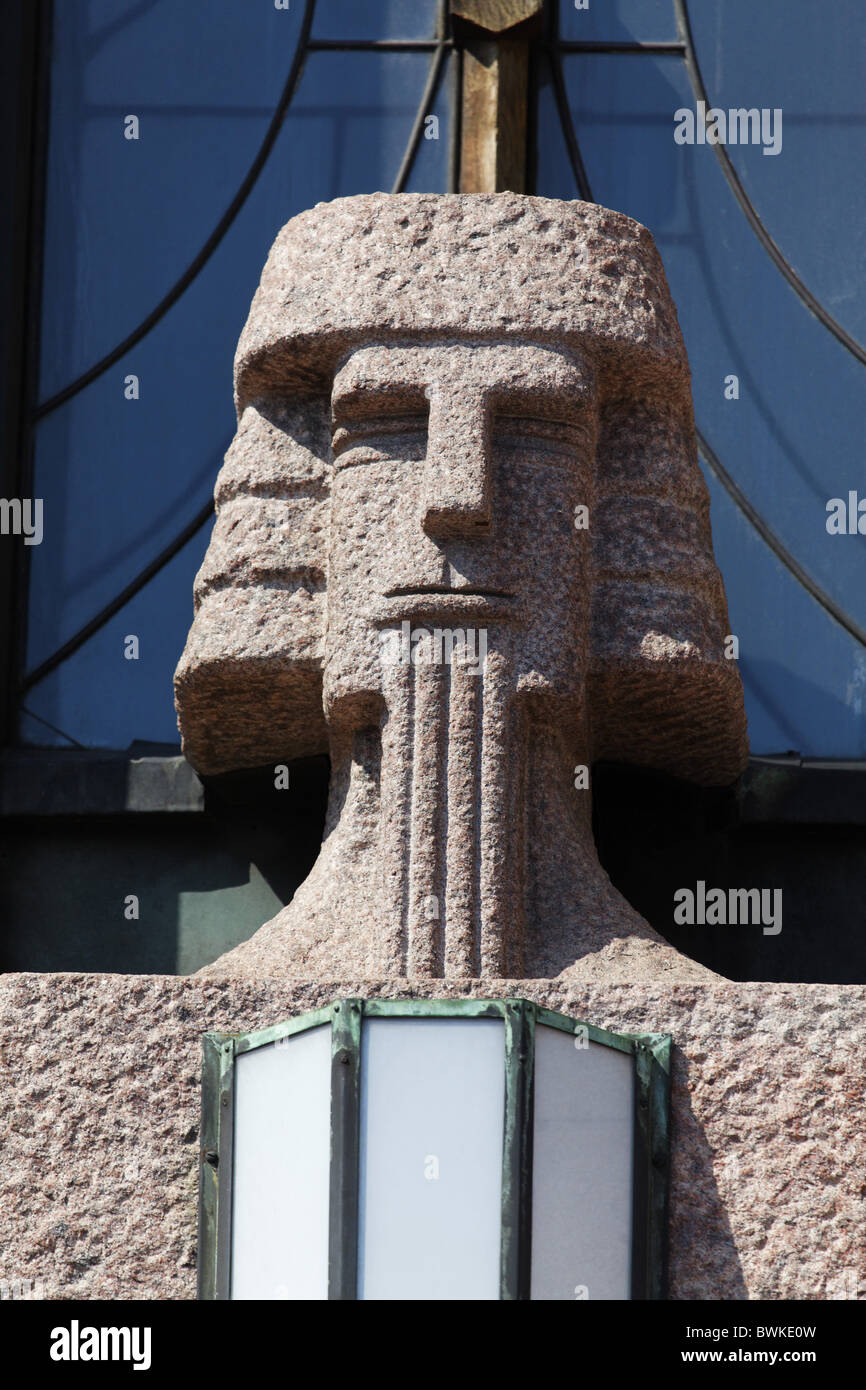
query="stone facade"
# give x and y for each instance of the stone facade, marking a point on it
(100, 1115)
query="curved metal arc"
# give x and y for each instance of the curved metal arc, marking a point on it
(812, 304)
(578, 168)
(213, 241)
(119, 601)
(719, 471)
(714, 463)
(428, 96)
(53, 727)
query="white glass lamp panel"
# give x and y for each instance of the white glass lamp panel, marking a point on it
(582, 1180)
(432, 1121)
(281, 1177)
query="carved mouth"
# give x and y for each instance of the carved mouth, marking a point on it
(422, 590)
(441, 602)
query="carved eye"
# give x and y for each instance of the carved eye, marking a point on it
(381, 435)
(539, 435)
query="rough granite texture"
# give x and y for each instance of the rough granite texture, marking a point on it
(100, 1097)
(462, 543)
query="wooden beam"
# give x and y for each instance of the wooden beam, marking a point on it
(494, 37)
(493, 122)
(496, 15)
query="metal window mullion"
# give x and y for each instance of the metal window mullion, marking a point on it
(455, 98)
(345, 1148)
(516, 1248)
(225, 1106)
(208, 1170)
(30, 84)
(651, 1158)
(374, 45)
(650, 48)
(660, 1121)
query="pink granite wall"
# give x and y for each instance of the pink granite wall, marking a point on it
(100, 1112)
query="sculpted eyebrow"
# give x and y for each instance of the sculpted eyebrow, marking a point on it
(387, 398)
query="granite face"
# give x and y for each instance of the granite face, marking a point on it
(100, 1122)
(462, 544)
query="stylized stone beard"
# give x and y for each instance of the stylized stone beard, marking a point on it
(466, 428)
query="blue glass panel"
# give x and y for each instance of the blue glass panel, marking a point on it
(794, 702)
(430, 169)
(352, 118)
(793, 438)
(809, 63)
(618, 21)
(374, 19)
(104, 700)
(124, 218)
(121, 478)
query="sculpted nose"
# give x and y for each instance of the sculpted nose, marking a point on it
(457, 483)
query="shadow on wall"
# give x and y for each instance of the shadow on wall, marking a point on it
(157, 893)
(657, 835)
(703, 1262)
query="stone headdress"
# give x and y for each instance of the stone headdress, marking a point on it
(473, 268)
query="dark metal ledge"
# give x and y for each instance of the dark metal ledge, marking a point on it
(155, 779)
(52, 782)
(805, 791)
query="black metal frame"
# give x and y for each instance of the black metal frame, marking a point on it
(215, 1169)
(515, 1275)
(651, 1053)
(345, 1151)
(24, 92)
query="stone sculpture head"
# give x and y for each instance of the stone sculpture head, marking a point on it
(463, 544)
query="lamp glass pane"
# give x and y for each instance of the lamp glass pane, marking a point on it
(582, 1168)
(432, 1116)
(282, 1131)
